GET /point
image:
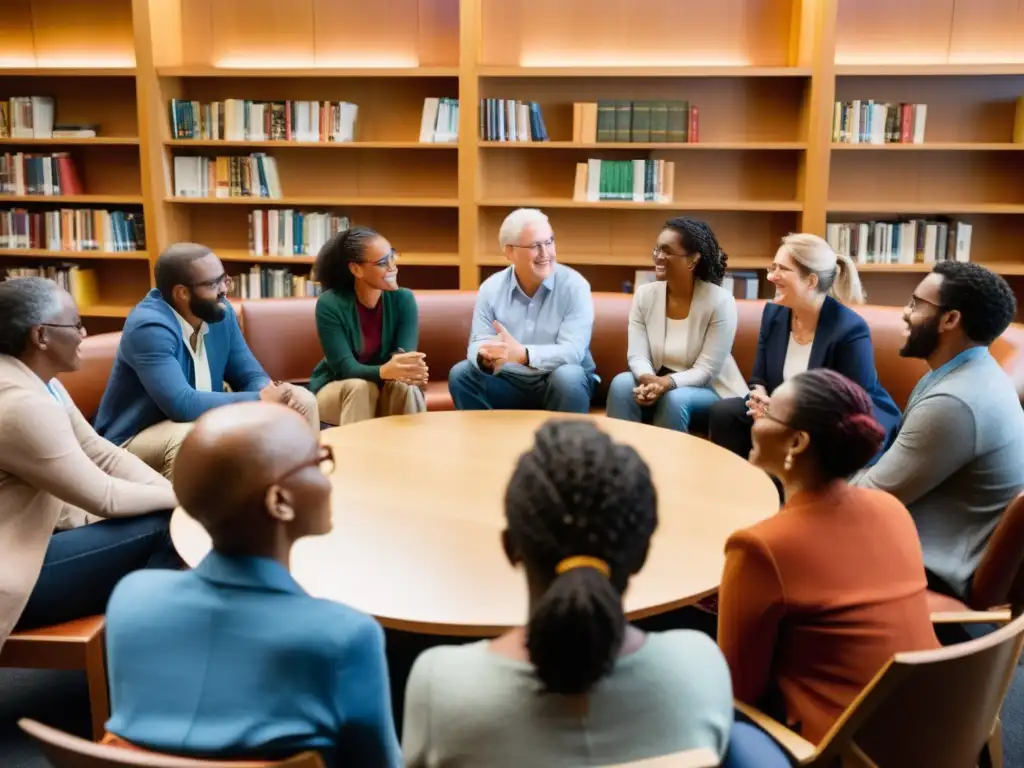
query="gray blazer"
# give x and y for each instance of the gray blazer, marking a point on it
(710, 333)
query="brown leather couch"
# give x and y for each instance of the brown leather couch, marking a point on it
(282, 336)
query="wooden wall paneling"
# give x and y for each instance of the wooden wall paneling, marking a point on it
(166, 32)
(108, 102)
(267, 32)
(645, 33)
(197, 47)
(70, 33)
(107, 170)
(17, 48)
(468, 154)
(368, 34)
(438, 41)
(817, 34)
(732, 109)
(987, 31)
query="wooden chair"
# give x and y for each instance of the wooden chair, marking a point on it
(691, 758)
(74, 645)
(997, 589)
(934, 708)
(66, 751)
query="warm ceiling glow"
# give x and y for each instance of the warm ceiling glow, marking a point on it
(353, 62)
(631, 59)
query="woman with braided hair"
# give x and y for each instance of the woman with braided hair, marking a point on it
(369, 329)
(815, 599)
(681, 330)
(578, 685)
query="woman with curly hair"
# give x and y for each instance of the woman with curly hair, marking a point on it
(681, 330)
(368, 328)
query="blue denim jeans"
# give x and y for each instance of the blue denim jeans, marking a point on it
(567, 389)
(681, 409)
(83, 565)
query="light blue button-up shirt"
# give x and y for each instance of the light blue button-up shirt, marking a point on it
(554, 325)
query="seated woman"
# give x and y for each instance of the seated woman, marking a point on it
(579, 684)
(814, 600)
(368, 328)
(806, 326)
(681, 330)
(57, 473)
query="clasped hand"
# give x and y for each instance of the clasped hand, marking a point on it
(407, 367)
(502, 349)
(650, 387)
(757, 402)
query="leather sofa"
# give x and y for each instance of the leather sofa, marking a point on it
(282, 336)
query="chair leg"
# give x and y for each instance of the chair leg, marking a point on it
(96, 679)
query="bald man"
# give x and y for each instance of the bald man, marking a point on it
(233, 659)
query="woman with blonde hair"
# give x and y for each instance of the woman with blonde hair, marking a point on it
(809, 324)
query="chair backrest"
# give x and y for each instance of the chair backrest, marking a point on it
(1000, 576)
(66, 751)
(931, 708)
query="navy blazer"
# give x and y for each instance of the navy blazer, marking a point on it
(842, 342)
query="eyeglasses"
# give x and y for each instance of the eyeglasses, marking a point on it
(384, 261)
(324, 459)
(78, 325)
(660, 250)
(916, 301)
(540, 244)
(226, 280)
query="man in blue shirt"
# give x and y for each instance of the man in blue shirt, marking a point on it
(234, 660)
(180, 345)
(530, 343)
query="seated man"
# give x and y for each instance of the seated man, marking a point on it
(233, 660)
(530, 343)
(957, 459)
(179, 346)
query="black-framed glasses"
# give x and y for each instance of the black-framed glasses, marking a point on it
(660, 250)
(916, 301)
(226, 280)
(536, 247)
(389, 258)
(78, 325)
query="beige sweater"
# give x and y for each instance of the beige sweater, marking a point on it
(53, 466)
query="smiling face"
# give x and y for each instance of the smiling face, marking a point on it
(792, 287)
(533, 253)
(771, 436)
(61, 337)
(378, 267)
(922, 317)
(671, 261)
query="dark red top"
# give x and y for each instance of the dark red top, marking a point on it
(371, 322)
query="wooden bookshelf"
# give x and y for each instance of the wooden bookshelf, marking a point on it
(765, 163)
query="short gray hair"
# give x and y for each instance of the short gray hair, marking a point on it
(514, 224)
(25, 302)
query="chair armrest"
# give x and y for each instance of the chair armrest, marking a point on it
(995, 616)
(798, 747)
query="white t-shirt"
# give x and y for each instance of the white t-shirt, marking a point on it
(676, 358)
(797, 357)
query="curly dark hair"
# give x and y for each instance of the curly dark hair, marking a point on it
(984, 300)
(577, 492)
(344, 248)
(697, 237)
(839, 416)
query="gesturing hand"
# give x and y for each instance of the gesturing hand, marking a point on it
(493, 354)
(515, 352)
(757, 403)
(407, 367)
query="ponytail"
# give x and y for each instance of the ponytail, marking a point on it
(576, 631)
(837, 274)
(847, 287)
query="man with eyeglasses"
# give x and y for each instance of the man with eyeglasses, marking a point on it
(180, 345)
(957, 460)
(529, 347)
(233, 659)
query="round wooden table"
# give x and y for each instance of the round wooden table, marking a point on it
(418, 512)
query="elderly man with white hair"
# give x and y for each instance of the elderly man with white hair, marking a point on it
(530, 343)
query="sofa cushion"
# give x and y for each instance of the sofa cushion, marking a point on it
(87, 384)
(282, 335)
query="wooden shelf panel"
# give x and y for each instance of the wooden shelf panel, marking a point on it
(324, 201)
(38, 253)
(405, 259)
(675, 205)
(68, 71)
(666, 146)
(115, 141)
(918, 179)
(308, 34)
(694, 71)
(402, 174)
(938, 69)
(267, 145)
(960, 110)
(84, 100)
(57, 201)
(420, 235)
(937, 146)
(106, 310)
(256, 72)
(595, 32)
(726, 106)
(928, 208)
(389, 113)
(621, 238)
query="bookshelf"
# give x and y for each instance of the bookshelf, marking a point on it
(765, 75)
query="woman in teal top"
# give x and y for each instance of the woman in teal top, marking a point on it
(368, 328)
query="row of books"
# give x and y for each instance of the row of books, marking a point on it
(39, 174)
(264, 283)
(287, 232)
(511, 120)
(439, 123)
(642, 181)
(247, 120)
(253, 175)
(72, 229)
(32, 117)
(636, 121)
(79, 282)
(913, 241)
(871, 122)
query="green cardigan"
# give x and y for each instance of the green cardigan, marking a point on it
(337, 325)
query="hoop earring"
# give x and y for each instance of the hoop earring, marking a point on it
(787, 464)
